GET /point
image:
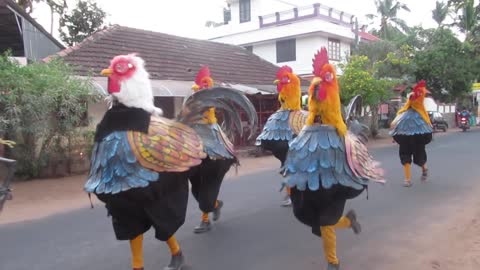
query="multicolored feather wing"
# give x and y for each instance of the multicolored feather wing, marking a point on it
(276, 128)
(215, 142)
(360, 161)
(317, 159)
(114, 167)
(409, 123)
(297, 120)
(169, 146)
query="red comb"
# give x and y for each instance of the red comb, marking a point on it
(319, 60)
(202, 73)
(282, 70)
(420, 84)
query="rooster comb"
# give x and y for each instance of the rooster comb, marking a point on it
(319, 60)
(282, 70)
(420, 84)
(202, 73)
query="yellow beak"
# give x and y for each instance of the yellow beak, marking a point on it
(316, 80)
(195, 87)
(276, 81)
(107, 72)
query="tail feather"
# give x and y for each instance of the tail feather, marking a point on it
(221, 99)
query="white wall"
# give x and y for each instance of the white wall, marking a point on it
(306, 47)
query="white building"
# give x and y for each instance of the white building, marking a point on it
(284, 33)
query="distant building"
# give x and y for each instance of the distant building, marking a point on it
(20, 33)
(286, 34)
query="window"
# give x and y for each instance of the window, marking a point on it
(334, 49)
(249, 48)
(244, 11)
(286, 50)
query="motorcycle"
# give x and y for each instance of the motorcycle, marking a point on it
(464, 124)
(5, 191)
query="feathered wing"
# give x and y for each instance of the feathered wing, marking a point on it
(297, 120)
(410, 122)
(360, 161)
(317, 159)
(169, 146)
(115, 168)
(216, 143)
(277, 128)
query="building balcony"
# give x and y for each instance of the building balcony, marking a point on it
(307, 12)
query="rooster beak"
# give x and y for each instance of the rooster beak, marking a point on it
(107, 72)
(195, 87)
(276, 81)
(316, 80)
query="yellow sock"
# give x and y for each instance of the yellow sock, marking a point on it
(289, 191)
(407, 171)
(205, 217)
(329, 243)
(343, 223)
(136, 246)
(173, 245)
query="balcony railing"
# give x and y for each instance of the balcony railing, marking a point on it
(308, 12)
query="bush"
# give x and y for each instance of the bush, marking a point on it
(42, 106)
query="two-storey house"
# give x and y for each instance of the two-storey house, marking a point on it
(284, 33)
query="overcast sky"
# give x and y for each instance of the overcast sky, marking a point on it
(188, 17)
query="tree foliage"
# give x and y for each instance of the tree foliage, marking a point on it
(41, 106)
(440, 13)
(446, 64)
(81, 22)
(391, 25)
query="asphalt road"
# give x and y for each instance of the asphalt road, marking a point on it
(255, 233)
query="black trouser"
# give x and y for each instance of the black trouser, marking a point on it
(206, 181)
(323, 207)
(162, 204)
(413, 146)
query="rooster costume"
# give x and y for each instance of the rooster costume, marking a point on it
(207, 178)
(326, 163)
(412, 130)
(283, 125)
(141, 162)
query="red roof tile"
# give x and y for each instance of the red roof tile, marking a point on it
(368, 36)
(169, 57)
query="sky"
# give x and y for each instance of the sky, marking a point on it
(187, 17)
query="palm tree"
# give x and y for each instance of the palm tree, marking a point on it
(469, 17)
(389, 22)
(439, 14)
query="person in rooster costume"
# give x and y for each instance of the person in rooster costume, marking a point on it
(283, 125)
(412, 130)
(141, 162)
(327, 163)
(207, 178)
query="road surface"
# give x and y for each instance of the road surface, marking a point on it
(255, 233)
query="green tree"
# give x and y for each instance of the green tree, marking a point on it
(41, 106)
(448, 65)
(358, 79)
(84, 20)
(440, 13)
(390, 24)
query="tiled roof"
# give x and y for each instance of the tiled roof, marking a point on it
(368, 36)
(170, 57)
